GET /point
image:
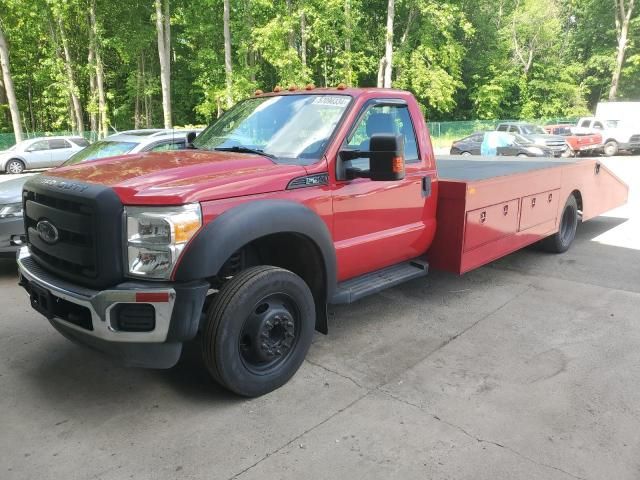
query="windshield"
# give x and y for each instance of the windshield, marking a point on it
(520, 140)
(101, 149)
(291, 129)
(533, 130)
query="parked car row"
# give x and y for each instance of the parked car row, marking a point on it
(23, 156)
(591, 136)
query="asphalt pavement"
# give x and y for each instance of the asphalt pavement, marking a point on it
(528, 368)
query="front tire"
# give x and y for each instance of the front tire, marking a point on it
(14, 166)
(611, 148)
(258, 330)
(562, 240)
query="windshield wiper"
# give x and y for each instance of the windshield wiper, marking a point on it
(241, 149)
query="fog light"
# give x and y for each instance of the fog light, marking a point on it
(133, 317)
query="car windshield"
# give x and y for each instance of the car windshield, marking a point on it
(533, 130)
(101, 149)
(293, 129)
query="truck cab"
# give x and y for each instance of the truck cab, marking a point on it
(297, 191)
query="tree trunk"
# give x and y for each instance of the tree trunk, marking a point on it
(30, 102)
(93, 115)
(303, 39)
(347, 39)
(164, 54)
(291, 35)
(388, 55)
(623, 18)
(228, 67)
(8, 87)
(102, 103)
(136, 115)
(381, 70)
(3, 98)
(73, 91)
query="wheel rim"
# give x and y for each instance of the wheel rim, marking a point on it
(568, 222)
(270, 333)
(610, 149)
(14, 167)
(466, 154)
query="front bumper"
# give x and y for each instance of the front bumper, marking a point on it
(11, 236)
(89, 316)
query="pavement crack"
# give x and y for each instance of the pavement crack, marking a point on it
(479, 439)
(293, 440)
(346, 377)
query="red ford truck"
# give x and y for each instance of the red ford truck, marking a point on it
(587, 143)
(290, 202)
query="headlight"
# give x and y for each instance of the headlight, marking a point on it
(11, 210)
(535, 150)
(156, 236)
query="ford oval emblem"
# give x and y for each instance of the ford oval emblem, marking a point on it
(47, 231)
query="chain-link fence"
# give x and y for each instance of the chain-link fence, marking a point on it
(441, 132)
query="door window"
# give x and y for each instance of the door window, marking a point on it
(598, 126)
(502, 128)
(39, 146)
(389, 119)
(57, 143)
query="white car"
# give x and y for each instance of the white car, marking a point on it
(134, 141)
(42, 152)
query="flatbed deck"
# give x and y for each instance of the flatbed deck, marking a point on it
(456, 167)
(489, 207)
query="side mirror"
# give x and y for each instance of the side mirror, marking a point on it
(386, 159)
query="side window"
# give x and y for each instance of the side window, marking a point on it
(478, 138)
(502, 128)
(598, 126)
(58, 143)
(39, 146)
(81, 142)
(513, 129)
(584, 124)
(393, 119)
(167, 147)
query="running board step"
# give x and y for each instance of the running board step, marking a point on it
(374, 282)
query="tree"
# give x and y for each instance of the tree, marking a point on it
(385, 68)
(103, 127)
(624, 10)
(8, 86)
(163, 28)
(228, 66)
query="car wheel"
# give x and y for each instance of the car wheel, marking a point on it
(611, 148)
(466, 154)
(15, 166)
(562, 240)
(522, 155)
(258, 330)
(568, 153)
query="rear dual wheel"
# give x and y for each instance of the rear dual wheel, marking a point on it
(258, 330)
(562, 240)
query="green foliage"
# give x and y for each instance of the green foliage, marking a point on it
(463, 59)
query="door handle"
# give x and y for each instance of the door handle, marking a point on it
(426, 186)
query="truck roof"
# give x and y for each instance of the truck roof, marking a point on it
(351, 91)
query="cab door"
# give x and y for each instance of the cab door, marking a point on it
(61, 150)
(377, 224)
(38, 154)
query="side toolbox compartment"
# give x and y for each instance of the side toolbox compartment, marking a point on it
(538, 209)
(487, 224)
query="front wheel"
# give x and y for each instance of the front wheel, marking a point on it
(15, 166)
(562, 240)
(258, 330)
(611, 148)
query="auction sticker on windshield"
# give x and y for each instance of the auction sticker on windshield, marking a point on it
(332, 100)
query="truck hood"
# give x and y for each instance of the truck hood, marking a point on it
(541, 139)
(174, 178)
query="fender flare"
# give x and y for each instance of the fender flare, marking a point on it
(221, 238)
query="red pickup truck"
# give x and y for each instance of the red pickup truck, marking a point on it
(290, 202)
(589, 143)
